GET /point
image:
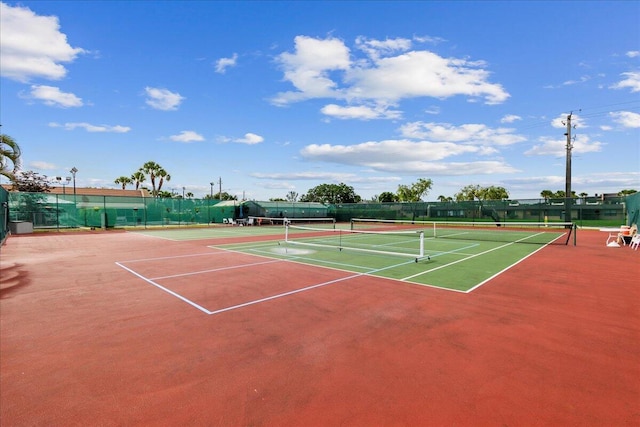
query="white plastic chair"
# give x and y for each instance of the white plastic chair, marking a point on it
(635, 242)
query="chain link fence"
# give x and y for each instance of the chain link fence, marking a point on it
(45, 210)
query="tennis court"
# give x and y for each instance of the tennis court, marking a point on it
(319, 324)
(457, 256)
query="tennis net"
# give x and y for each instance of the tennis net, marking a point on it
(315, 222)
(403, 243)
(541, 233)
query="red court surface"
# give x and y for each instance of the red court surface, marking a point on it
(554, 341)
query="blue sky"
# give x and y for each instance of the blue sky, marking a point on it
(274, 97)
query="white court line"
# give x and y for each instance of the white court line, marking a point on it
(478, 254)
(173, 257)
(503, 270)
(455, 262)
(455, 251)
(191, 273)
(204, 310)
(313, 261)
(169, 291)
(143, 234)
(353, 276)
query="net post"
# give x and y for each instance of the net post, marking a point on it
(286, 233)
(421, 244)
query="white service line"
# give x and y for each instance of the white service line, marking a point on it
(169, 291)
(191, 273)
(330, 282)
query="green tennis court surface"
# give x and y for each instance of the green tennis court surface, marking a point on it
(460, 256)
(454, 261)
(270, 226)
(215, 232)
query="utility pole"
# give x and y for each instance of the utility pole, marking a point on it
(220, 183)
(567, 190)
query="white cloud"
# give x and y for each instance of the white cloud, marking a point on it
(433, 110)
(324, 68)
(627, 119)
(324, 176)
(429, 39)
(558, 147)
(223, 63)
(249, 139)
(278, 186)
(560, 122)
(510, 118)
(297, 176)
(32, 45)
(582, 79)
(423, 74)
(631, 81)
(41, 165)
(308, 68)
(360, 112)
(187, 136)
(610, 182)
(53, 96)
(91, 128)
(404, 156)
(163, 99)
(633, 53)
(477, 134)
(377, 152)
(377, 48)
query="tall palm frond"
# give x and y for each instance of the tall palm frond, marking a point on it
(138, 178)
(164, 176)
(9, 157)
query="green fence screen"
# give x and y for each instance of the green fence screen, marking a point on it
(584, 211)
(46, 210)
(633, 208)
(4, 215)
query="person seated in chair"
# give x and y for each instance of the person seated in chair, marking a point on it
(624, 237)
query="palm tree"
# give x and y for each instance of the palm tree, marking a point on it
(292, 196)
(153, 170)
(9, 152)
(163, 176)
(546, 194)
(149, 169)
(138, 178)
(124, 180)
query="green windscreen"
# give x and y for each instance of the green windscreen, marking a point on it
(633, 208)
(4, 215)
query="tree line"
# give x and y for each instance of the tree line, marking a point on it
(415, 192)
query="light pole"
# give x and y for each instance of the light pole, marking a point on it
(209, 203)
(567, 191)
(73, 172)
(62, 181)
